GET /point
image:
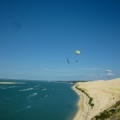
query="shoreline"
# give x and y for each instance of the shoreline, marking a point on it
(95, 97)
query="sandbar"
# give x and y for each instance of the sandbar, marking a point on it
(12, 82)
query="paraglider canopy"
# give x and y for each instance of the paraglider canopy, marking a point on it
(68, 61)
(77, 52)
(109, 73)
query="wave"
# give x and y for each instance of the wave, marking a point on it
(8, 87)
(25, 108)
(46, 95)
(28, 107)
(43, 89)
(3, 88)
(26, 89)
(31, 95)
(37, 85)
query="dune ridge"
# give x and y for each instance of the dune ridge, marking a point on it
(95, 97)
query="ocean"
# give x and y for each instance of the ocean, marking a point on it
(37, 100)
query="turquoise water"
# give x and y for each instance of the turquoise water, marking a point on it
(34, 100)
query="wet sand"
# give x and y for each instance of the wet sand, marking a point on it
(104, 94)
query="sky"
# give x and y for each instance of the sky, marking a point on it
(37, 37)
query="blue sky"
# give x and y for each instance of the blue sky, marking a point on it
(37, 36)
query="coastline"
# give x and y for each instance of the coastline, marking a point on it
(95, 97)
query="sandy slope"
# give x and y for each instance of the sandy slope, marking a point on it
(104, 94)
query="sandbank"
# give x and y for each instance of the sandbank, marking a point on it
(12, 82)
(95, 97)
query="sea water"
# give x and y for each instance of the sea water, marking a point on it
(37, 100)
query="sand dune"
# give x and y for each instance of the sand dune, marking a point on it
(103, 94)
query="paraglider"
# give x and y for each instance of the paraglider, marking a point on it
(68, 61)
(77, 52)
(109, 73)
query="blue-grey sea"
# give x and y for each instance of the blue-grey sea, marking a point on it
(37, 100)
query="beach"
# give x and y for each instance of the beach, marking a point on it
(95, 97)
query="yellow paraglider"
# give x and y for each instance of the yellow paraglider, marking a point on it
(77, 52)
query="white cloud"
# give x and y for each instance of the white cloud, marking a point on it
(53, 70)
(91, 69)
(70, 70)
